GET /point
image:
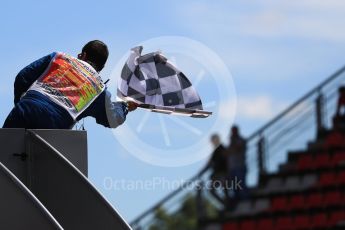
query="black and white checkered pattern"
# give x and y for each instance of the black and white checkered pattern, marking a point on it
(151, 79)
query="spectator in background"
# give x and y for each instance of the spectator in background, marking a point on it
(218, 165)
(336, 136)
(339, 118)
(341, 102)
(236, 160)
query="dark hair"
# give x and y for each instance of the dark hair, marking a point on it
(234, 128)
(215, 136)
(96, 54)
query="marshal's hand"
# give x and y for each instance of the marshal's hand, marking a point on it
(132, 105)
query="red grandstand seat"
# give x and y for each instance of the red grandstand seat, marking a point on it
(319, 220)
(284, 223)
(332, 198)
(334, 139)
(296, 202)
(322, 161)
(341, 178)
(338, 158)
(335, 217)
(230, 226)
(327, 179)
(305, 161)
(247, 225)
(265, 224)
(302, 222)
(279, 204)
(314, 200)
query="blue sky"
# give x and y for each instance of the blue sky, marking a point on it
(275, 50)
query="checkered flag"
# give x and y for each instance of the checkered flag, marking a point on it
(156, 84)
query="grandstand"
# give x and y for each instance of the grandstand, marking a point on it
(296, 174)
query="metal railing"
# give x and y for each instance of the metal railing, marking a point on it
(267, 148)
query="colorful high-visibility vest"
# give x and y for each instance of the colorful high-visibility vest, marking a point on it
(69, 82)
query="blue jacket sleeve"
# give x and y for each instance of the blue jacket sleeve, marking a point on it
(107, 113)
(27, 76)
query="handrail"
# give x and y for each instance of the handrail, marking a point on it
(291, 107)
(258, 132)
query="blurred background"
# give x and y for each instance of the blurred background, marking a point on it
(277, 52)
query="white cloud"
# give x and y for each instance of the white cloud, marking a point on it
(312, 27)
(270, 40)
(261, 107)
(333, 6)
(305, 19)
